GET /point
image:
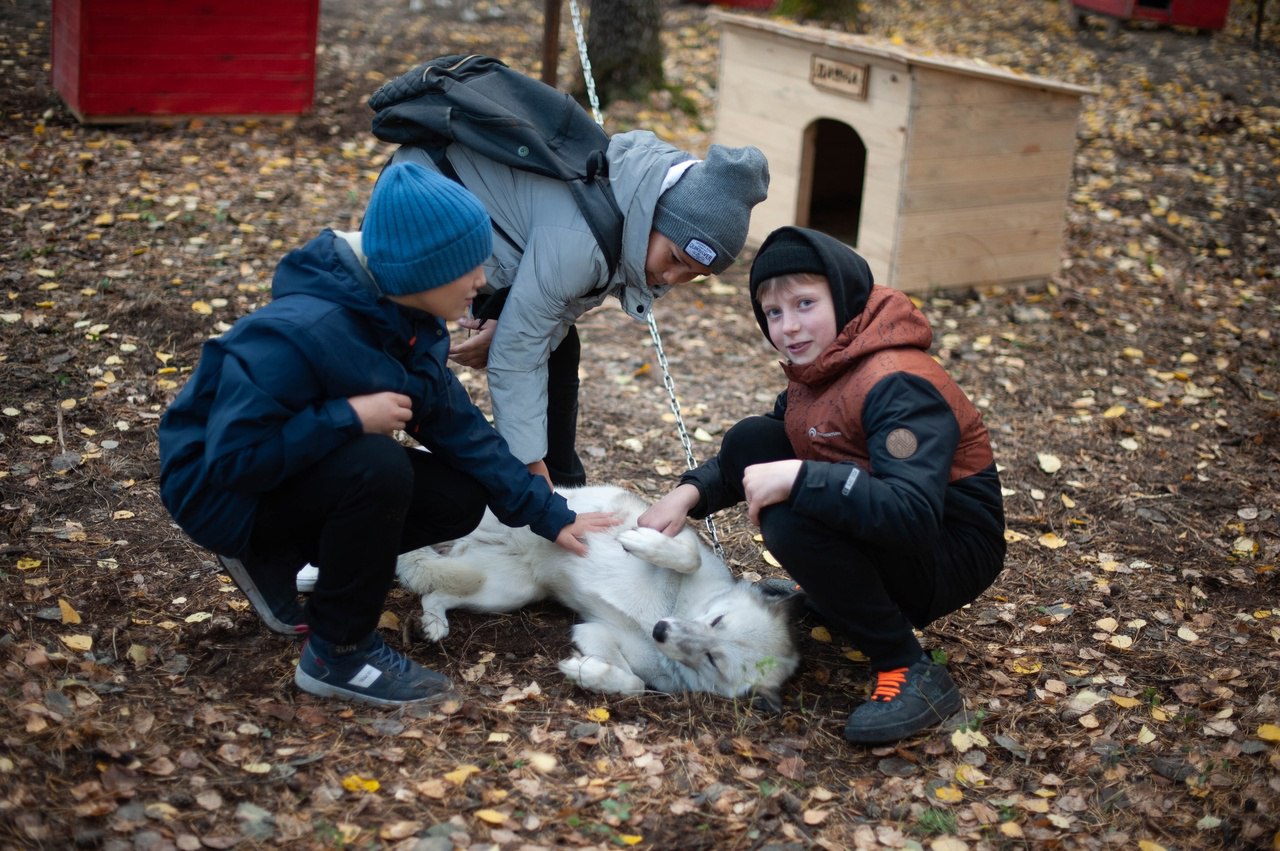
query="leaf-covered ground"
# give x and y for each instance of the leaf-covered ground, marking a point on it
(1122, 677)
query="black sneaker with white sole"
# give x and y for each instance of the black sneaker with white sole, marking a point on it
(271, 589)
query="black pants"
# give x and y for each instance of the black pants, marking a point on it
(873, 594)
(562, 413)
(351, 514)
(561, 459)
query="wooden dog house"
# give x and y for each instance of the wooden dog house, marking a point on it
(941, 172)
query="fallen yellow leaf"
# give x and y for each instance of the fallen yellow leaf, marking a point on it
(356, 783)
(1269, 733)
(949, 794)
(69, 614)
(460, 774)
(78, 643)
(1024, 665)
(1050, 540)
(491, 816)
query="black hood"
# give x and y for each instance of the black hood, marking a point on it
(791, 250)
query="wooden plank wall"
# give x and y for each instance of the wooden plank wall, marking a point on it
(968, 170)
(987, 176)
(766, 99)
(131, 59)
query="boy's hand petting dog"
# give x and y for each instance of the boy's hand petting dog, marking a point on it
(768, 484)
(382, 413)
(573, 536)
(668, 515)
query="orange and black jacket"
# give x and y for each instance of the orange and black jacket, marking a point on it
(894, 450)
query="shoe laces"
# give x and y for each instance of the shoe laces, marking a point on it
(889, 684)
(383, 657)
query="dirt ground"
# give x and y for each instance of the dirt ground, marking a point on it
(1122, 677)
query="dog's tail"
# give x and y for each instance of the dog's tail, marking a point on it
(425, 571)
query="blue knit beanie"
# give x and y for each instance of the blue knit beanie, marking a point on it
(422, 230)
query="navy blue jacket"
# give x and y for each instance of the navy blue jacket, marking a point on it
(269, 399)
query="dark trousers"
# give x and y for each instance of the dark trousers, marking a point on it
(351, 514)
(873, 594)
(562, 459)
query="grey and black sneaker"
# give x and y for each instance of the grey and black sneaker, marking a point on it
(271, 589)
(904, 702)
(367, 672)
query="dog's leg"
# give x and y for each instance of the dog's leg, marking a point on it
(679, 553)
(601, 667)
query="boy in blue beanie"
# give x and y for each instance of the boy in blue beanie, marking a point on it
(872, 481)
(279, 450)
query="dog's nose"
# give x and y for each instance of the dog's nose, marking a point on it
(660, 631)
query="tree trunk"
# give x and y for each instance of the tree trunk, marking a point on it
(624, 47)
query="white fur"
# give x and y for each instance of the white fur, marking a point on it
(658, 613)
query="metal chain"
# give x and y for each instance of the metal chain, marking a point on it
(667, 382)
(586, 62)
(680, 429)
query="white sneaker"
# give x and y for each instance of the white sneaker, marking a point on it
(307, 578)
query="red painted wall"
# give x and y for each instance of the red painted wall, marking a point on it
(136, 59)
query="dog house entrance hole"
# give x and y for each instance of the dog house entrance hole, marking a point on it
(833, 171)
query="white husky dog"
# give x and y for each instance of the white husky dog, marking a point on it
(657, 612)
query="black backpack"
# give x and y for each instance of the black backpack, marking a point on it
(479, 102)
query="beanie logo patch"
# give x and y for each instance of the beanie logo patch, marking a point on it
(700, 251)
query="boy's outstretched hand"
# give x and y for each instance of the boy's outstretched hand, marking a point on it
(768, 484)
(668, 514)
(573, 536)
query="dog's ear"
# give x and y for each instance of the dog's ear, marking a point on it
(791, 604)
(767, 699)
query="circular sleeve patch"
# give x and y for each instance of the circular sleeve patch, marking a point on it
(901, 443)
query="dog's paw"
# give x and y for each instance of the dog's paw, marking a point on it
(592, 672)
(435, 625)
(679, 553)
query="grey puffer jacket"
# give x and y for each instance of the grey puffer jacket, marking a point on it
(557, 272)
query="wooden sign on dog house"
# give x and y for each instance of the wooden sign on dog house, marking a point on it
(942, 172)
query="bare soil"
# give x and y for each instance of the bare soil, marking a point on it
(1121, 677)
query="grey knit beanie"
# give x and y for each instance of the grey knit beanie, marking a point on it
(707, 211)
(422, 230)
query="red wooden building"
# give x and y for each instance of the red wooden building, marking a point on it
(132, 60)
(1201, 14)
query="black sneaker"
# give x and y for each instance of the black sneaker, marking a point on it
(904, 701)
(272, 591)
(367, 672)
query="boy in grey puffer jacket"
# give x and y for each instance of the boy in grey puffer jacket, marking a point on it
(683, 218)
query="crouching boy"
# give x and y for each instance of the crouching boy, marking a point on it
(279, 450)
(872, 481)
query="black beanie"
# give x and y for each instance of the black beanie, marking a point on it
(793, 250)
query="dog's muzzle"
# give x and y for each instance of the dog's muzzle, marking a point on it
(660, 631)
